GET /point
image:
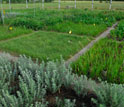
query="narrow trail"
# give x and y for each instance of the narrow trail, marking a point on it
(86, 48)
(72, 59)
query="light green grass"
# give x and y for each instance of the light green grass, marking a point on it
(5, 33)
(45, 45)
(79, 28)
(80, 5)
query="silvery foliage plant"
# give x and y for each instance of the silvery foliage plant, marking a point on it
(54, 75)
(65, 102)
(34, 81)
(109, 95)
(82, 85)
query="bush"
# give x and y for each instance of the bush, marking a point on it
(39, 84)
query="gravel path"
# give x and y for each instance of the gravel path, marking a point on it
(72, 59)
(85, 49)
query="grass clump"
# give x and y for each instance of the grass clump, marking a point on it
(104, 60)
(118, 33)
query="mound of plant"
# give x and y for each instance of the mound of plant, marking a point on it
(105, 60)
(24, 83)
(118, 33)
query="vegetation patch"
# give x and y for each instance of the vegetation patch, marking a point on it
(104, 60)
(27, 84)
(118, 33)
(7, 32)
(77, 21)
(78, 28)
(47, 45)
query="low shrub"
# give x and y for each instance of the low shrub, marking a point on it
(43, 85)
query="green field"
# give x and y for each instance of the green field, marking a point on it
(40, 77)
(46, 45)
(78, 28)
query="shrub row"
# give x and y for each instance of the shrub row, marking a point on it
(24, 83)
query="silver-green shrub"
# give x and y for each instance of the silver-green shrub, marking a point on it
(34, 80)
(65, 102)
(109, 95)
(82, 85)
(53, 77)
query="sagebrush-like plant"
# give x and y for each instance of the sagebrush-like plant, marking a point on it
(27, 84)
(65, 102)
(109, 95)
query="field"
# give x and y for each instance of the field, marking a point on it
(47, 45)
(43, 42)
(64, 4)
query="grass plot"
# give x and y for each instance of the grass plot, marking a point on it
(80, 29)
(7, 32)
(45, 45)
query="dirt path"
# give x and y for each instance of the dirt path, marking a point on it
(75, 57)
(85, 49)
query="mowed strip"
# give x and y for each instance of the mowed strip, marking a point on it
(7, 32)
(46, 45)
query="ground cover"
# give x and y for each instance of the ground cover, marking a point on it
(46, 45)
(7, 32)
(78, 28)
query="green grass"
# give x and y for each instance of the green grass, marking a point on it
(5, 33)
(45, 45)
(80, 5)
(78, 28)
(78, 21)
(104, 60)
(118, 33)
